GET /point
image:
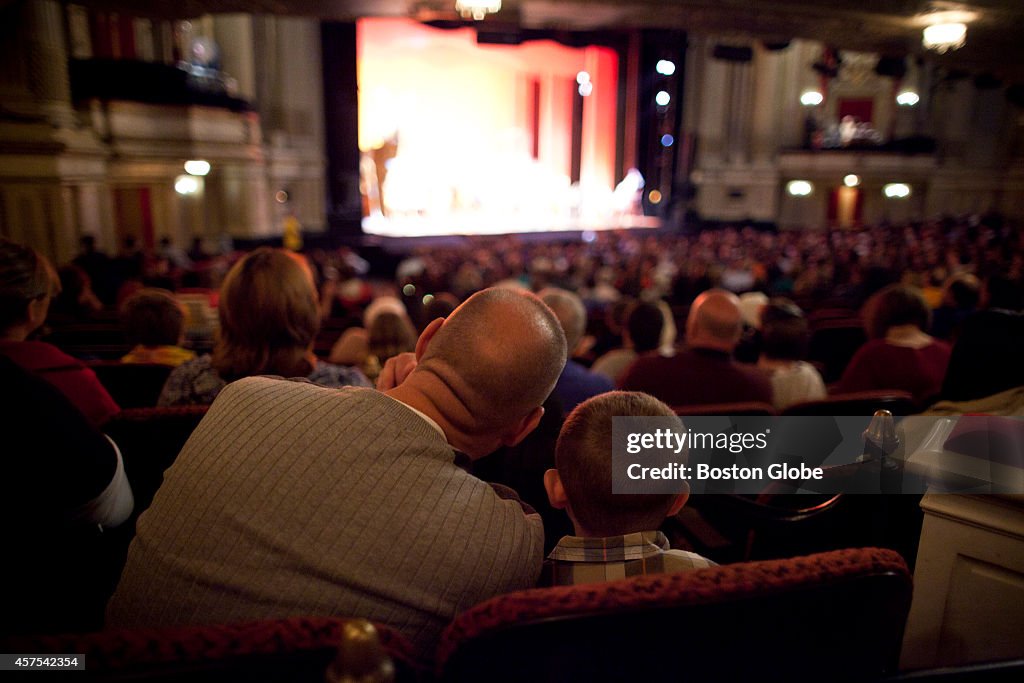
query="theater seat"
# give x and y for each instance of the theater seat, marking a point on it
(743, 408)
(132, 385)
(859, 403)
(835, 616)
(833, 343)
(289, 650)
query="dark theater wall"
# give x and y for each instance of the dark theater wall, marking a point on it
(341, 116)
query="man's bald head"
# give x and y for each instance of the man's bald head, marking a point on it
(499, 354)
(715, 321)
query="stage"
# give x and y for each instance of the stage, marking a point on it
(470, 224)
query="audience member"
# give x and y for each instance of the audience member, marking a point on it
(704, 372)
(98, 266)
(616, 534)
(27, 284)
(441, 306)
(76, 302)
(784, 338)
(269, 317)
(961, 294)
(986, 358)
(576, 383)
(387, 332)
(154, 322)
(63, 483)
(642, 333)
(291, 499)
(899, 353)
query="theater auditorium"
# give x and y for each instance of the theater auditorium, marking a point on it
(371, 341)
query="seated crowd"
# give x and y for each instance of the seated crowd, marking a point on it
(335, 472)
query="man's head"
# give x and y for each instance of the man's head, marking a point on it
(784, 330)
(491, 364)
(715, 321)
(582, 480)
(644, 325)
(571, 314)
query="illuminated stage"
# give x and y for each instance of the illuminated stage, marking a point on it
(454, 224)
(462, 138)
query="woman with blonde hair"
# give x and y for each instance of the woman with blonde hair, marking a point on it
(269, 318)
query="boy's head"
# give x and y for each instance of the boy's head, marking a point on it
(153, 317)
(582, 480)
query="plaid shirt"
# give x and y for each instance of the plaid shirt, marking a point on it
(577, 560)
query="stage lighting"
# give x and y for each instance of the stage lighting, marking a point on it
(662, 98)
(799, 188)
(409, 290)
(654, 197)
(586, 88)
(665, 67)
(582, 77)
(197, 167)
(896, 190)
(667, 140)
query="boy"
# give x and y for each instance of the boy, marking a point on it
(616, 535)
(154, 322)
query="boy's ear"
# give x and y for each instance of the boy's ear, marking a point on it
(556, 492)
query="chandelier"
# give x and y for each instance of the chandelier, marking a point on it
(477, 9)
(945, 29)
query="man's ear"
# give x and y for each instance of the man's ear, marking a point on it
(556, 492)
(35, 312)
(428, 333)
(525, 426)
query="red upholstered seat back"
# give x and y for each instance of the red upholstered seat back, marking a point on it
(831, 616)
(742, 408)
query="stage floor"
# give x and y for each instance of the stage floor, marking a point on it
(474, 224)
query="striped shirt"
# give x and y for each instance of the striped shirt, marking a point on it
(292, 499)
(576, 560)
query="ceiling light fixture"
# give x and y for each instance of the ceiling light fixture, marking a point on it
(477, 9)
(945, 28)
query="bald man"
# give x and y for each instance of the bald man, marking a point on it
(292, 499)
(704, 372)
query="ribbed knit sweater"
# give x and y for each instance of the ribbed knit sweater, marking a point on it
(293, 499)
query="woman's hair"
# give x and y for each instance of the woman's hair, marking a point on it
(25, 275)
(153, 317)
(391, 334)
(269, 317)
(895, 305)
